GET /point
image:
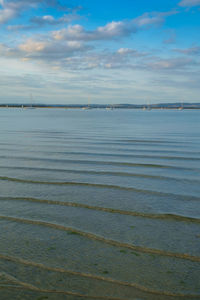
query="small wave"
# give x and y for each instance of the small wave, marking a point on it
(98, 185)
(13, 280)
(125, 155)
(138, 141)
(100, 138)
(96, 277)
(103, 240)
(29, 287)
(108, 141)
(97, 162)
(96, 148)
(102, 173)
(168, 216)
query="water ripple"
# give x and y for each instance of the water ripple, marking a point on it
(95, 237)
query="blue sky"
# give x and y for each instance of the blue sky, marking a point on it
(130, 51)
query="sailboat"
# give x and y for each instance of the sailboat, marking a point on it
(31, 103)
(88, 106)
(147, 107)
(181, 107)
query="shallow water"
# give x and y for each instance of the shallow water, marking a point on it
(99, 204)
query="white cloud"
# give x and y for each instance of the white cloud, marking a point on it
(50, 50)
(154, 18)
(38, 22)
(6, 14)
(71, 46)
(123, 51)
(189, 51)
(32, 46)
(108, 32)
(112, 30)
(18, 27)
(189, 3)
(170, 63)
(50, 20)
(171, 39)
(130, 52)
(12, 9)
(71, 54)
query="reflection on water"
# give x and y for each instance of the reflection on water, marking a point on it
(99, 204)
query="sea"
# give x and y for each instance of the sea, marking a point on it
(99, 204)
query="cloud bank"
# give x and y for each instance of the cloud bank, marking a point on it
(135, 51)
(13, 9)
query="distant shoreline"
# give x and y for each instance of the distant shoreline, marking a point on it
(177, 106)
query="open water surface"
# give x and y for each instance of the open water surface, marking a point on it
(98, 204)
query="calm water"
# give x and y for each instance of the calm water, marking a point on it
(99, 204)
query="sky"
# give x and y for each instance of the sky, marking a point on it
(106, 52)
